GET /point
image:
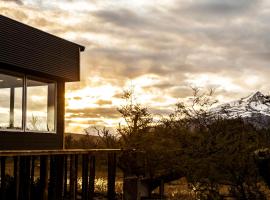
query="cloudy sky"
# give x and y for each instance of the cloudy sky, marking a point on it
(159, 48)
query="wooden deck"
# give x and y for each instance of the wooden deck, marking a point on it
(58, 173)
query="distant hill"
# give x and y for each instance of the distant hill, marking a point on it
(78, 136)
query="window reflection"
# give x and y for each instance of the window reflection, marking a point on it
(11, 101)
(40, 106)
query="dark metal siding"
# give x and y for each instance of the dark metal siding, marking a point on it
(29, 48)
(29, 141)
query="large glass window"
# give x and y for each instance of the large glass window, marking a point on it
(40, 113)
(27, 104)
(11, 95)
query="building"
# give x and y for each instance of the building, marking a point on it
(34, 67)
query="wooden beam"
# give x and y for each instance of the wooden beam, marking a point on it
(57, 152)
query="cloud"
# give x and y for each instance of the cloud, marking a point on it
(110, 112)
(219, 8)
(16, 1)
(102, 102)
(122, 17)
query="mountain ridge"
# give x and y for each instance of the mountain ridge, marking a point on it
(254, 108)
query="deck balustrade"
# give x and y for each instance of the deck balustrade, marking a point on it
(59, 172)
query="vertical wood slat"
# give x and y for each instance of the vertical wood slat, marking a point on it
(16, 176)
(59, 177)
(92, 175)
(65, 175)
(72, 181)
(3, 178)
(32, 177)
(111, 175)
(76, 175)
(52, 183)
(161, 189)
(56, 186)
(24, 185)
(85, 162)
(44, 168)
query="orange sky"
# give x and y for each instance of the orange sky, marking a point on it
(160, 49)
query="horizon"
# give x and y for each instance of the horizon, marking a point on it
(159, 50)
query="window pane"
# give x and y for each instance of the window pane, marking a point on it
(40, 106)
(10, 101)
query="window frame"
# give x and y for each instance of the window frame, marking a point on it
(25, 77)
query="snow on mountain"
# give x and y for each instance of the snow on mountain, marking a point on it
(245, 107)
(254, 108)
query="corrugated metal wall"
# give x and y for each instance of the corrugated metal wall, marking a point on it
(32, 49)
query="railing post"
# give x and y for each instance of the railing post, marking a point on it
(72, 181)
(92, 176)
(56, 185)
(16, 176)
(52, 183)
(161, 189)
(24, 185)
(111, 175)
(76, 175)
(59, 177)
(32, 177)
(44, 167)
(3, 178)
(65, 175)
(85, 184)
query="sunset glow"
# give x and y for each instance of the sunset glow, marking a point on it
(160, 50)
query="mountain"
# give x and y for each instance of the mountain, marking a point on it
(80, 136)
(254, 109)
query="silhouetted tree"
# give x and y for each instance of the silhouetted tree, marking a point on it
(209, 150)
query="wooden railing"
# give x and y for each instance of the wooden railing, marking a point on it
(58, 174)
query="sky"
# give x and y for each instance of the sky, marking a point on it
(160, 49)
